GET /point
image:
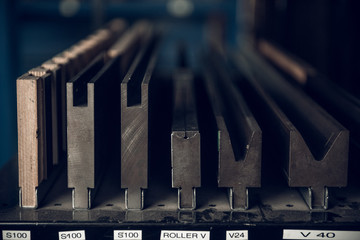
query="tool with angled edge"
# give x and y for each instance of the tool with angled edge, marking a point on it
(338, 102)
(313, 145)
(239, 136)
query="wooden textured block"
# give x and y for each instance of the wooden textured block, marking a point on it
(31, 136)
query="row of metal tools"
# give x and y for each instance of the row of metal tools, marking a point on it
(93, 98)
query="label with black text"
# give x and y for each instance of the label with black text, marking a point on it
(237, 234)
(181, 235)
(16, 235)
(72, 235)
(318, 234)
(127, 235)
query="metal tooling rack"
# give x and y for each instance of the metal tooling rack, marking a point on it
(273, 207)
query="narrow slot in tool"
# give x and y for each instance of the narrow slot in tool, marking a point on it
(134, 121)
(185, 136)
(82, 107)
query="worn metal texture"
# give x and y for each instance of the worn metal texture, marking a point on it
(239, 135)
(315, 145)
(338, 102)
(134, 124)
(81, 108)
(77, 57)
(272, 209)
(185, 140)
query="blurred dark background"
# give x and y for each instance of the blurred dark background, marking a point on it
(32, 31)
(325, 33)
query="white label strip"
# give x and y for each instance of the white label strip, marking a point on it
(127, 235)
(237, 234)
(16, 235)
(318, 234)
(72, 235)
(181, 235)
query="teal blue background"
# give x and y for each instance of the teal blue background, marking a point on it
(31, 32)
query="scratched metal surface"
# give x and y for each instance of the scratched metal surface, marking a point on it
(274, 205)
(185, 140)
(316, 144)
(239, 135)
(135, 123)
